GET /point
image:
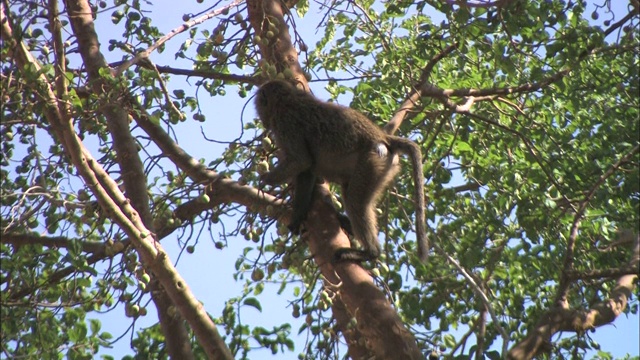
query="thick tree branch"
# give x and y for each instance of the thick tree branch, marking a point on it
(125, 146)
(378, 323)
(172, 324)
(60, 59)
(279, 50)
(580, 320)
(114, 202)
(326, 234)
(561, 299)
(220, 189)
(131, 167)
(18, 240)
(480, 336)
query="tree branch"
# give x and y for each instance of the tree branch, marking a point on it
(114, 202)
(17, 240)
(429, 89)
(481, 295)
(131, 167)
(563, 288)
(183, 212)
(601, 274)
(184, 27)
(580, 320)
(211, 75)
(409, 103)
(378, 323)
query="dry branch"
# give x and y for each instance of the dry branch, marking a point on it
(384, 334)
(114, 202)
(580, 320)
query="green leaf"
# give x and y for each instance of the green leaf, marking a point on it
(253, 302)
(95, 326)
(78, 332)
(462, 146)
(449, 341)
(302, 7)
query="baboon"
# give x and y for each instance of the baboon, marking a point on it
(305, 183)
(339, 145)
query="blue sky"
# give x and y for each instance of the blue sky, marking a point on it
(209, 271)
(619, 338)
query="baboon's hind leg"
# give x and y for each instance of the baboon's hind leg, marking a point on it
(302, 199)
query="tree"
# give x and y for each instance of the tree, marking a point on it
(526, 113)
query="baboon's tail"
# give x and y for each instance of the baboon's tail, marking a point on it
(410, 148)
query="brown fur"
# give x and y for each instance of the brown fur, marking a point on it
(340, 145)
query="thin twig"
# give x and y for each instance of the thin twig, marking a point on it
(182, 28)
(483, 297)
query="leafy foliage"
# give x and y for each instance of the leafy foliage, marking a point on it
(539, 172)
